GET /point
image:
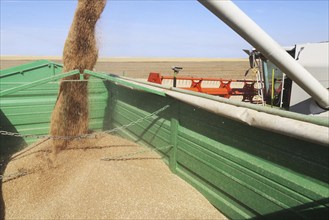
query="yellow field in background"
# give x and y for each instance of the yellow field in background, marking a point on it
(141, 67)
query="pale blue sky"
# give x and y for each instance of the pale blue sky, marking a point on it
(158, 28)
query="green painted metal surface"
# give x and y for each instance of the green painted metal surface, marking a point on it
(115, 79)
(30, 72)
(27, 101)
(36, 83)
(246, 172)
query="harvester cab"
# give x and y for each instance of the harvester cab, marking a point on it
(275, 85)
(279, 90)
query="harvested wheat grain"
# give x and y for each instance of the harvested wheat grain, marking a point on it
(78, 185)
(70, 116)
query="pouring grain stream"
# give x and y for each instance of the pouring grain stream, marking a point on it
(70, 115)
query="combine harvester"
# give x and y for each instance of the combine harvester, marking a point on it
(250, 161)
(272, 85)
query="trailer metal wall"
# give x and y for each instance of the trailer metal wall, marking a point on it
(246, 172)
(28, 95)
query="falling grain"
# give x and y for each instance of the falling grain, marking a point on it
(70, 115)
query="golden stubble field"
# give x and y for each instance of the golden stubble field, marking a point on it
(141, 67)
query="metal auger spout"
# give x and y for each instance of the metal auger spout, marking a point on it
(230, 14)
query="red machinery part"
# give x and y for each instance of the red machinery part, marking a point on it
(224, 88)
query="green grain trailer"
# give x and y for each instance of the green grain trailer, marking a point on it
(249, 161)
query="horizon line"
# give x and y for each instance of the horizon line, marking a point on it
(126, 59)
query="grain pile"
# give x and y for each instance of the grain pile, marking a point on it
(70, 116)
(78, 185)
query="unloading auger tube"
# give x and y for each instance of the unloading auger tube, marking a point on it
(230, 14)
